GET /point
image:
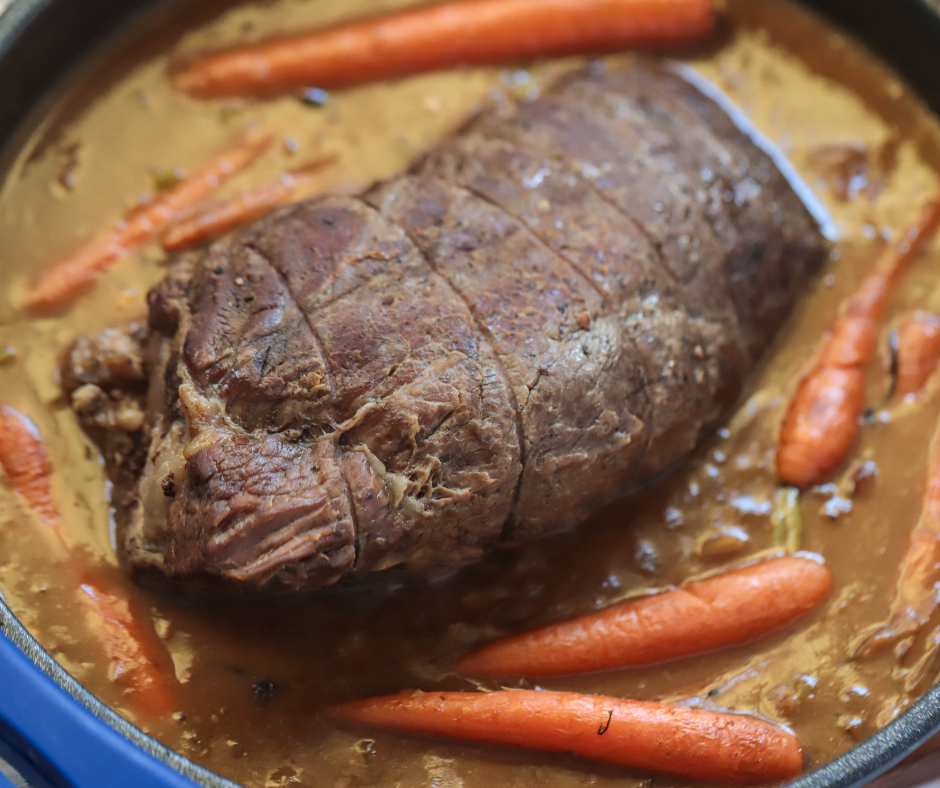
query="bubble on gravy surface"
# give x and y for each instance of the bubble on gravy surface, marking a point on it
(855, 134)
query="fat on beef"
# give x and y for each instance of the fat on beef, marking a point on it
(551, 309)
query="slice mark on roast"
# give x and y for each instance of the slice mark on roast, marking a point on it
(399, 396)
(488, 168)
(579, 140)
(294, 548)
(557, 141)
(485, 337)
(532, 303)
(313, 329)
(608, 304)
(531, 186)
(259, 355)
(736, 199)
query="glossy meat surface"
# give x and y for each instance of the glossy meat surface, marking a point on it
(553, 308)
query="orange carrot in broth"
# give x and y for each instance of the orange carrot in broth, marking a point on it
(918, 353)
(822, 420)
(136, 661)
(56, 287)
(26, 465)
(729, 608)
(653, 737)
(444, 35)
(218, 219)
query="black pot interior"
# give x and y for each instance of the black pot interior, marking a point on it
(41, 41)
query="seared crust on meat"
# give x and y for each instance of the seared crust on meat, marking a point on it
(551, 309)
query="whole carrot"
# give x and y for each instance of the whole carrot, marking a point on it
(136, 660)
(218, 219)
(822, 420)
(918, 353)
(653, 737)
(457, 32)
(60, 284)
(915, 597)
(723, 610)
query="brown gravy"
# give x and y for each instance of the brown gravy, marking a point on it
(855, 133)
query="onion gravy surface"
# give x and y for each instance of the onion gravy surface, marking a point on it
(253, 677)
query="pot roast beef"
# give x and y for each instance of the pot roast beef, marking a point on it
(551, 309)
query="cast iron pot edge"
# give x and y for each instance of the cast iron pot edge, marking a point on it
(20, 637)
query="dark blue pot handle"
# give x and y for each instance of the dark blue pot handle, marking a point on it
(54, 741)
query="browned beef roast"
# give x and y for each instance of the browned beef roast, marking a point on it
(555, 306)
